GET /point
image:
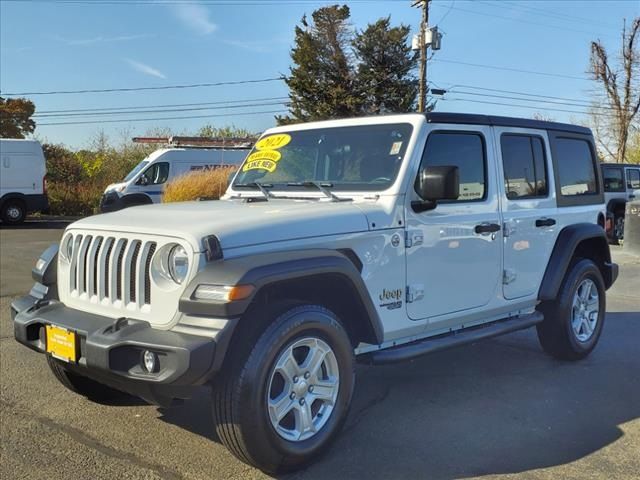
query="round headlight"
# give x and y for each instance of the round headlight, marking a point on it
(178, 264)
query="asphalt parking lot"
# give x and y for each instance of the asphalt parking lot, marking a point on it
(499, 408)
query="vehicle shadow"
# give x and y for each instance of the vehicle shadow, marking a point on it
(496, 407)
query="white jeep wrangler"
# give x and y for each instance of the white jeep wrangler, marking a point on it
(377, 239)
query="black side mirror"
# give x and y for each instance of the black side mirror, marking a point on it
(436, 183)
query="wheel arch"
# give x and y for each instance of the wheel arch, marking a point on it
(329, 278)
(13, 196)
(616, 204)
(133, 199)
(581, 240)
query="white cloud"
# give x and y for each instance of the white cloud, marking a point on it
(101, 39)
(195, 17)
(144, 68)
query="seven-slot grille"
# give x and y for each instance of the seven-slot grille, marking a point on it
(112, 269)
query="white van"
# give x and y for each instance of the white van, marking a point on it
(22, 179)
(145, 183)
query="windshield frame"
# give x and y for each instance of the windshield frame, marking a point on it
(414, 123)
(135, 171)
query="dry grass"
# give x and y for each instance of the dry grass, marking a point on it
(209, 184)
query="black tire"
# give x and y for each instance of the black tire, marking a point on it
(556, 333)
(617, 235)
(94, 391)
(240, 397)
(14, 211)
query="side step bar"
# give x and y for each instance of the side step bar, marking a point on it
(449, 340)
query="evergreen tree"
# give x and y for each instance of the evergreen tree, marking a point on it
(384, 73)
(322, 80)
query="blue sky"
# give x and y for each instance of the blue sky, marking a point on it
(74, 45)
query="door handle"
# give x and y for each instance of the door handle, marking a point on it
(485, 228)
(545, 222)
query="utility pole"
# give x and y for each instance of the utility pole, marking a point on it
(422, 96)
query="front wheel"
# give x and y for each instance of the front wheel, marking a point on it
(282, 406)
(573, 321)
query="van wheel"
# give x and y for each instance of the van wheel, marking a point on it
(618, 228)
(94, 391)
(13, 211)
(573, 321)
(281, 406)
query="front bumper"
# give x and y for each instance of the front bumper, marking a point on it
(110, 351)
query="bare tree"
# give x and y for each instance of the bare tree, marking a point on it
(618, 111)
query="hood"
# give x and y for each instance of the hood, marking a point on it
(234, 222)
(115, 186)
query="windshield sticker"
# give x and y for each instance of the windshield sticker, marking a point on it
(395, 148)
(265, 155)
(264, 164)
(273, 141)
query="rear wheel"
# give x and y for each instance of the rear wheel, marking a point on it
(618, 228)
(283, 405)
(14, 211)
(84, 386)
(573, 322)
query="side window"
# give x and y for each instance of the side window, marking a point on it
(576, 168)
(157, 173)
(633, 178)
(525, 173)
(613, 179)
(466, 150)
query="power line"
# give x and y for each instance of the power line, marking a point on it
(192, 109)
(534, 100)
(509, 69)
(137, 89)
(160, 118)
(171, 105)
(536, 107)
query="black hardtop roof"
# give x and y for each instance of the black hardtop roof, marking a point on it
(613, 164)
(493, 120)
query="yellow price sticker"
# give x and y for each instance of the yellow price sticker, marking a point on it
(273, 141)
(265, 155)
(267, 165)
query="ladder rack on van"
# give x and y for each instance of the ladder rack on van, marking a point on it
(200, 142)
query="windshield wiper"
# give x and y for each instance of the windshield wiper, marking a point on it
(321, 187)
(260, 186)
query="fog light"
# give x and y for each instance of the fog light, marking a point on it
(149, 361)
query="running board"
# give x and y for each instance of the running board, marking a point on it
(449, 340)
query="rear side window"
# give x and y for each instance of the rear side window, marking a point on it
(525, 174)
(613, 179)
(576, 167)
(633, 178)
(464, 150)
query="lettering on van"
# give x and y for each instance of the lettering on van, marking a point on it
(207, 167)
(391, 299)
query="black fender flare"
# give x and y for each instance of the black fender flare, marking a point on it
(135, 199)
(13, 196)
(567, 244)
(266, 269)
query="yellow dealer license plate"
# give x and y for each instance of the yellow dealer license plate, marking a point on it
(61, 343)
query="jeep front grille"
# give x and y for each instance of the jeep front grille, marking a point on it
(110, 269)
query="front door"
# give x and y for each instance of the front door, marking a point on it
(455, 256)
(633, 183)
(151, 181)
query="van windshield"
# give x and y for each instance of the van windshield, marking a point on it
(365, 157)
(136, 170)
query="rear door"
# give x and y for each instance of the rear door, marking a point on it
(633, 183)
(529, 209)
(454, 252)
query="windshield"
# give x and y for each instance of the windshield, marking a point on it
(365, 157)
(135, 170)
